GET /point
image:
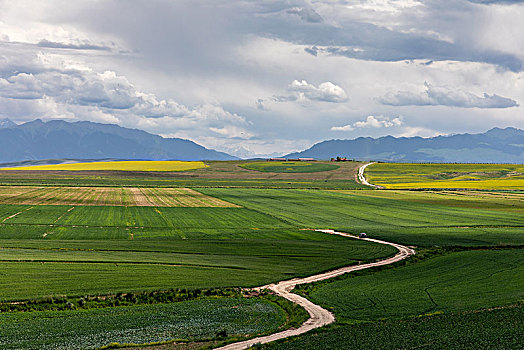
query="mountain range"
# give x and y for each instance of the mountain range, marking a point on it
(80, 140)
(58, 140)
(494, 146)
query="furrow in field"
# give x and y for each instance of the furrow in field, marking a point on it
(83, 197)
(61, 216)
(172, 195)
(109, 196)
(9, 194)
(45, 196)
(155, 197)
(213, 201)
(103, 196)
(139, 199)
(202, 198)
(187, 199)
(68, 196)
(16, 214)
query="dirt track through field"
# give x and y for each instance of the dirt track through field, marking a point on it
(319, 316)
(362, 178)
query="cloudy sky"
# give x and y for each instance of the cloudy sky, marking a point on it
(261, 77)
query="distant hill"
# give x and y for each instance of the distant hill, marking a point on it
(494, 146)
(81, 140)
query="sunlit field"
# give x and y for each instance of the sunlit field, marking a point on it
(448, 176)
(168, 165)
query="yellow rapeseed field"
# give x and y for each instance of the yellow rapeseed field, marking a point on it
(171, 165)
(459, 176)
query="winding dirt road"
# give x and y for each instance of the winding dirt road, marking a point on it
(362, 178)
(318, 316)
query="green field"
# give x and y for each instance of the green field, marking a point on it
(34, 269)
(223, 174)
(459, 281)
(87, 329)
(486, 329)
(290, 167)
(425, 304)
(436, 220)
(448, 176)
(225, 226)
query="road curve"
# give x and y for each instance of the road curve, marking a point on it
(362, 178)
(318, 316)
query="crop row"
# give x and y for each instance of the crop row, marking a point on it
(108, 196)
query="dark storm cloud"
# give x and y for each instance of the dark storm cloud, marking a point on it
(204, 34)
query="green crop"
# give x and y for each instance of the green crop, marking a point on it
(196, 320)
(483, 329)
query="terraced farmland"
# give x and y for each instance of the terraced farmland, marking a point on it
(108, 196)
(447, 176)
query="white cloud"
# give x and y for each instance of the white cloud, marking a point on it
(204, 82)
(409, 131)
(50, 88)
(370, 122)
(52, 36)
(303, 91)
(445, 96)
(348, 127)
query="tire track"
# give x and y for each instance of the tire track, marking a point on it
(319, 316)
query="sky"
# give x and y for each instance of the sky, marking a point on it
(266, 77)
